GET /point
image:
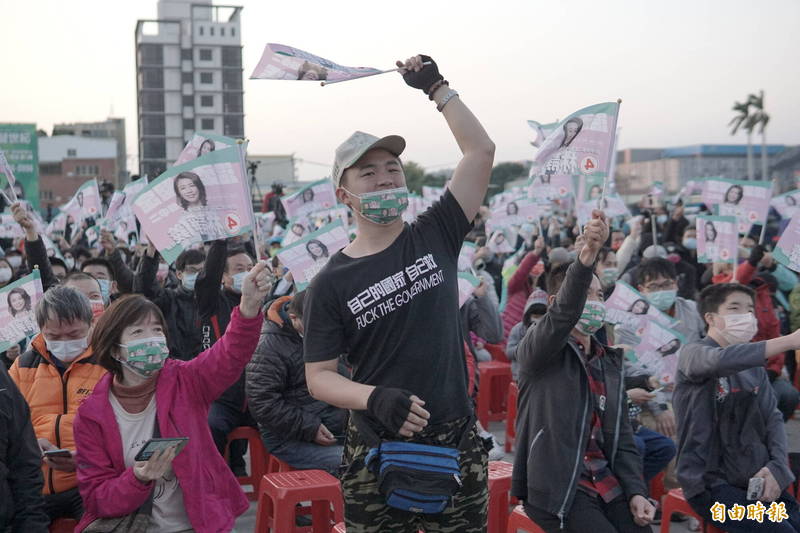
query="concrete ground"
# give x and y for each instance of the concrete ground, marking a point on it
(247, 522)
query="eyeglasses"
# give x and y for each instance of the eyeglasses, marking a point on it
(663, 286)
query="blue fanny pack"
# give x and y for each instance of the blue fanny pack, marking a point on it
(418, 478)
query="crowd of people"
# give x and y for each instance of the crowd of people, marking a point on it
(377, 350)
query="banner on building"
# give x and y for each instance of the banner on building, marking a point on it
(20, 145)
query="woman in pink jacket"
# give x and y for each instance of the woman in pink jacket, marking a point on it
(193, 489)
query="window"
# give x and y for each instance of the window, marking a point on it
(50, 169)
(152, 78)
(151, 54)
(233, 32)
(188, 124)
(87, 170)
(201, 30)
(154, 149)
(186, 53)
(72, 152)
(207, 124)
(152, 168)
(206, 54)
(211, 30)
(153, 125)
(222, 31)
(232, 79)
(186, 77)
(231, 56)
(232, 103)
(207, 100)
(152, 101)
(188, 100)
(207, 77)
(233, 126)
(45, 195)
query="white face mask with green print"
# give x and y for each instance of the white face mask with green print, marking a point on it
(592, 318)
(145, 356)
(383, 207)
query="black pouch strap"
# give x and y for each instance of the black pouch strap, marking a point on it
(371, 438)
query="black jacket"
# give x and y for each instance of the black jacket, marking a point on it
(277, 393)
(21, 482)
(36, 253)
(179, 308)
(555, 408)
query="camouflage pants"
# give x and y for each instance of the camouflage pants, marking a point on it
(365, 507)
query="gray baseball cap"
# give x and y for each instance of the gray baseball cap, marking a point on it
(357, 145)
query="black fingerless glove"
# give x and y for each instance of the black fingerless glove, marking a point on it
(756, 255)
(390, 407)
(425, 78)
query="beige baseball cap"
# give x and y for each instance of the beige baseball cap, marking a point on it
(357, 145)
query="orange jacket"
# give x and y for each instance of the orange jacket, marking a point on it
(54, 400)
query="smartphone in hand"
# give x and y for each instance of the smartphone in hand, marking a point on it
(61, 452)
(154, 445)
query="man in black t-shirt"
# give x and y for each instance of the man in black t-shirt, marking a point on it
(389, 300)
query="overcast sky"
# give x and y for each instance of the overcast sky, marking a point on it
(678, 67)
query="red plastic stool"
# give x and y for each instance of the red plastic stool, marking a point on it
(657, 490)
(63, 525)
(275, 465)
(258, 458)
(281, 492)
(498, 352)
(492, 391)
(519, 520)
(674, 502)
(511, 419)
(499, 488)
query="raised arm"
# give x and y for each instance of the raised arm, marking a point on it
(206, 289)
(471, 177)
(35, 250)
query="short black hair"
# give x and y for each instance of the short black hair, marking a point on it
(236, 250)
(715, 295)
(79, 251)
(654, 268)
(99, 261)
(55, 261)
(78, 276)
(556, 277)
(189, 257)
(603, 253)
(296, 305)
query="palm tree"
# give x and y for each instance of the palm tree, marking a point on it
(742, 120)
(760, 119)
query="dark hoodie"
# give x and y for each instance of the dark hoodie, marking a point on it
(276, 387)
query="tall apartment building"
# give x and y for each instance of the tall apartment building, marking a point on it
(111, 128)
(188, 78)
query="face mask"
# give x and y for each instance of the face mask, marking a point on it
(189, 281)
(145, 356)
(744, 252)
(15, 261)
(383, 207)
(609, 276)
(5, 275)
(572, 255)
(238, 281)
(661, 219)
(105, 288)
(70, 262)
(690, 243)
(662, 300)
(739, 328)
(98, 308)
(616, 246)
(67, 351)
(592, 318)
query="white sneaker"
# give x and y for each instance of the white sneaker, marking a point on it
(497, 453)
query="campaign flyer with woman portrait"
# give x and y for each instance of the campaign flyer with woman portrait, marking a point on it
(85, 203)
(305, 257)
(316, 196)
(658, 351)
(581, 144)
(203, 200)
(281, 62)
(787, 251)
(628, 307)
(787, 204)
(201, 144)
(717, 239)
(17, 309)
(748, 201)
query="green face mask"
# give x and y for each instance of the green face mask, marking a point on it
(609, 276)
(383, 207)
(146, 356)
(592, 318)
